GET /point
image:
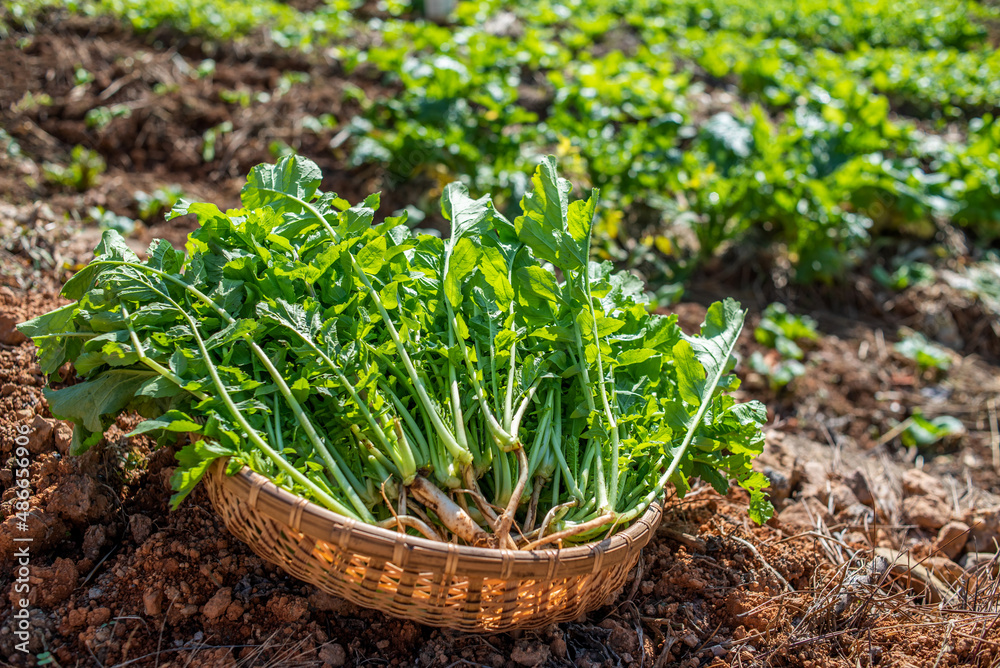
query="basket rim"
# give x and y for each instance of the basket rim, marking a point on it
(300, 514)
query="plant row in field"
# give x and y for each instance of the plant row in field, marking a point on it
(814, 155)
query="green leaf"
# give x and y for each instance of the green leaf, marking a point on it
(83, 440)
(359, 217)
(580, 219)
(537, 286)
(544, 226)
(204, 212)
(760, 509)
(283, 313)
(634, 356)
(690, 373)
(926, 354)
(712, 476)
(788, 348)
(175, 421)
(112, 247)
(52, 349)
(194, 461)
(702, 360)
(469, 217)
(106, 394)
(231, 333)
(495, 271)
(159, 388)
(163, 256)
(461, 263)
(372, 256)
(389, 295)
(273, 185)
(923, 432)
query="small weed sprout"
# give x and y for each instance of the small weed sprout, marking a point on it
(926, 354)
(82, 173)
(783, 331)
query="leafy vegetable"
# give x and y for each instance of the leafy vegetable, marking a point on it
(782, 330)
(922, 432)
(857, 122)
(906, 274)
(926, 354)
(779, 373)
(496, 385)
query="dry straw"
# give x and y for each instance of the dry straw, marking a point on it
(440, 584)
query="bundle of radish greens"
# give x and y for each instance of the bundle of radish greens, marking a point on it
(495, 387)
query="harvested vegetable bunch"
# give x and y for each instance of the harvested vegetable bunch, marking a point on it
(495, 386)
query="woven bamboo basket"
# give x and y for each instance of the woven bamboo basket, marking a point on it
(440, 584)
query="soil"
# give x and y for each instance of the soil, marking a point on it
(167, 103)
(117, 579)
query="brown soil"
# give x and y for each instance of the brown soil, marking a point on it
(117, 579)
(254, 101)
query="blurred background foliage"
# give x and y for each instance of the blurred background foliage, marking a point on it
(804, 129)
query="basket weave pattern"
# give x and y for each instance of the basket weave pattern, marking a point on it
(440, 584)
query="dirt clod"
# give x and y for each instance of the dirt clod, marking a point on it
(218, 603)
(927, 512)
(334, 655)
(815, 483)
(780, 487)
(99, 616)
(984, 535)
(41, 432)
(53, 584)
(63, 437)
(859, 485)
(951, 539)
(946, 569)
(527, 653)
(140, 527)
(94, 540)
(77, 617)
(152, 602)
(974, 561)
(920, 483)
(842, 497)
(804, 515)
(558, 648)
(9, 336)
(77, 499)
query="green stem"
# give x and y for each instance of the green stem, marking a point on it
(557, 446)
(612, 422)
(506, 437)
(453, 390)
(508, 400)
(153, 364)
(421, 443)
(516, 422)
(304, 422)
(542, 435)
(602, 489)
(362, 406)
(457, 451)
(252, 434)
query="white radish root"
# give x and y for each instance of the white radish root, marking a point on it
(450, 513)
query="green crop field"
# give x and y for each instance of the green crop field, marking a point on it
(816, 126)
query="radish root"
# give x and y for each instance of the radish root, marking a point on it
(507, 518)
(450, 513)
(572, 531)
